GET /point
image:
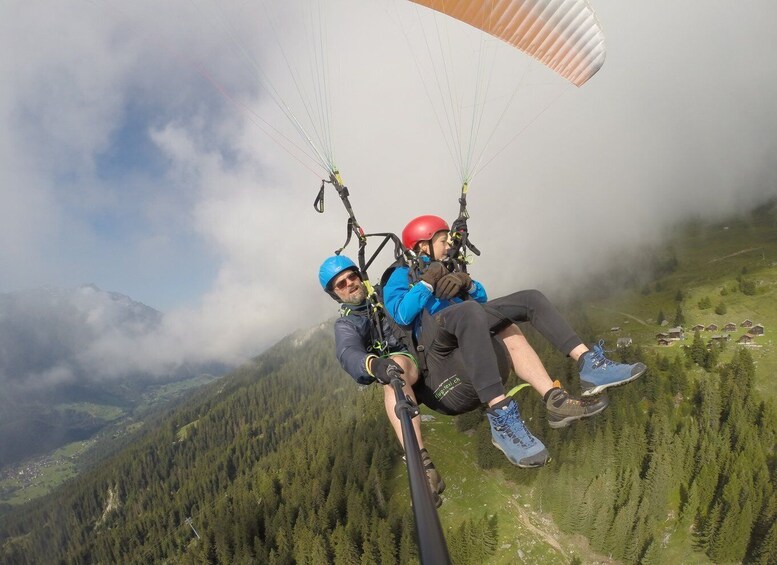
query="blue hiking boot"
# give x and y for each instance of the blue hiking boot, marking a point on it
(509, 434)
(598, 373)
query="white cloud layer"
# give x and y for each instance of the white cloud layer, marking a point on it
(136, 156)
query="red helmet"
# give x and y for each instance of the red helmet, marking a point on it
(422, 228)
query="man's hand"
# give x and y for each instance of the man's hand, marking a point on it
(385, 369)
(433, 273)
(452, 284)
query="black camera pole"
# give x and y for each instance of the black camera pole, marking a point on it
(431, 540)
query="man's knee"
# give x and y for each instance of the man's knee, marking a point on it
(529, 301)
(535, 296)
(410, 374)
(524, 297)
(509, 332)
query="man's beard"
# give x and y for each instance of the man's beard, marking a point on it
(357, 297)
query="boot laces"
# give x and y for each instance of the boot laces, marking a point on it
(510, 423)
(598, 358)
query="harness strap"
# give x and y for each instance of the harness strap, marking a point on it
(375, 312)
(460, 234)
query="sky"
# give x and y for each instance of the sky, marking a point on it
(144, 150)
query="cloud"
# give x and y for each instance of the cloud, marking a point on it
(141, 153)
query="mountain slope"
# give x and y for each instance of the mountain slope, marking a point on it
(286, 460)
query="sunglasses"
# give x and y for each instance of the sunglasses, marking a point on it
(342, 283)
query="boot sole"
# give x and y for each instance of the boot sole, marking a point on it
(521, 465)
(601, 388)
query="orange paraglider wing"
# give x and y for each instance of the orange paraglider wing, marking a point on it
(563, 35)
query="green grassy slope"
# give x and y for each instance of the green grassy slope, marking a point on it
(526, 534)
(711, 261)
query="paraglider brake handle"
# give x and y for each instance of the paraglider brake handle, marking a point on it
(318, 203)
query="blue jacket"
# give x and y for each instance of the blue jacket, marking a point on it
(404, 302)
(354, 342)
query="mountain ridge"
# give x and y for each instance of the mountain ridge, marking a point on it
(56, 370)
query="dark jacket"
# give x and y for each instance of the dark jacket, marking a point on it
(355, 341)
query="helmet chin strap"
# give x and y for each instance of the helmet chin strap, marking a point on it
(333, 295)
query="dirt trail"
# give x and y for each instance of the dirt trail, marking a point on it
(544, 535)
(734, 254)
(640, 320)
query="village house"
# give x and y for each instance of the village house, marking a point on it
(730, 327)
(676, 333)
(662, 335)
(664, 342)
(712, 328)
(745, 339)
(719, 338)
(623, 342)
(697, 328)
(746, 324)
(757, 329)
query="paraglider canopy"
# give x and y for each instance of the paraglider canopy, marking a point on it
(564, 35)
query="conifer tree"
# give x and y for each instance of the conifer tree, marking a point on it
(765, 551)
(698, 351)
(651, 554)
(387, 546)
(679, 317)
(729, 541)
(344, 550)
(623, 525)
(407, 544)
(370, 553)
(601, 525)
(708, 528)
(491, 535)
(711, 357)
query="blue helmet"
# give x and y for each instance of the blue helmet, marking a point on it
(332, 267)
